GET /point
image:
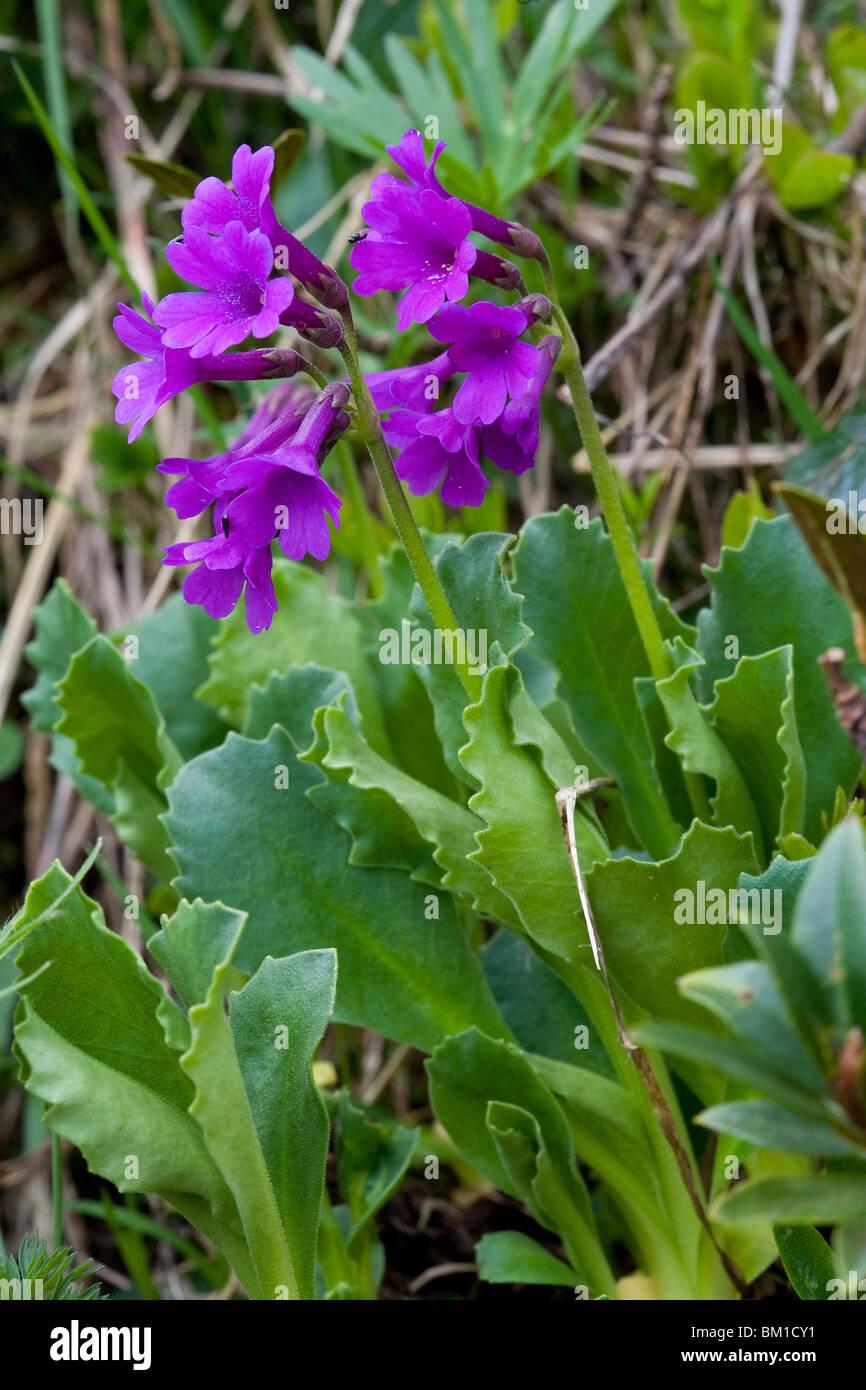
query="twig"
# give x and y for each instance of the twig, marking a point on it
(566, 799)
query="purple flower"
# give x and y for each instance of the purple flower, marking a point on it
(238, 298)
(273, 423)
(223, 570)
(410, 157)
(284, 405)
(142, 387)
(268, 484)
(275, 486)
(511, 442)
(414, 387)
(248, 201)
(486, 346)
(418, 240)
(214, 205)
(438, 450)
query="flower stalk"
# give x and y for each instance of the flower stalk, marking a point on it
(369, 428)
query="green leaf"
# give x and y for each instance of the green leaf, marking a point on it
(740, 512)
(564, 32)
(808, 1260)
(288, 149)
(406, 708)
(770, 594)
(522, 846)
(836, 464)
(292, 698)
(11, 748)
(510, 1257)
(360, 115)
(830, 923)
(817, 487)
(62, 629)
(169, 178)
(546, 1188)
(540, 1010)
(731, 1058)
(794, 1201)
(403, 972)
(173, 646)
(837, 546)
(635, 902)
(817, 178)
(771, 1126)
(746, 998)
(92, 1048)
(753, 714)
(701, 751)
(578, 609)
(191, 943)
(508, 1124)
(120, 740)
(260, 1110)
(312, 625)
(441, 823)
(426, 91)
(479, 55)
(50, 31)
(372, 1160)
(467, 1072)
(487, 611)
(609, 1133)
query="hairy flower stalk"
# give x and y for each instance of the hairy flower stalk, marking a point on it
(370, 430)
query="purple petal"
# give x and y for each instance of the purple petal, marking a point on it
(217, 591)
(481, 397)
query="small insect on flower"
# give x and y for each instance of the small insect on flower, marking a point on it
(356, 237)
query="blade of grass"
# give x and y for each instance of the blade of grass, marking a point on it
(49, 30)
(100, 227)
(789, 392)
(147, 1226)
(133, 1251)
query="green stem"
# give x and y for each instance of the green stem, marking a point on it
(370, 430)
(607, 490)
(314, 374)
(361, 512)
(57, 1190)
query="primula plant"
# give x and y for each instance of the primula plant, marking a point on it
(597, 857)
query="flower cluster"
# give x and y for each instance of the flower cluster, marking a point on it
(248, 271)
(418, 241)
(251, 276)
